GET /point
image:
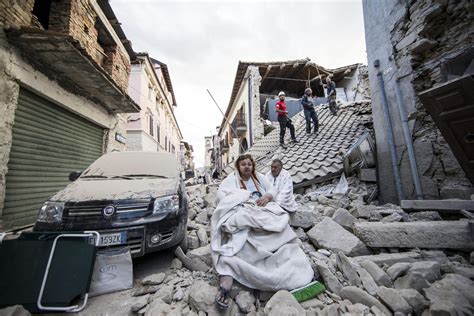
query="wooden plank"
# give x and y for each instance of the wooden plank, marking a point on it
(438, 205)
(425, 235)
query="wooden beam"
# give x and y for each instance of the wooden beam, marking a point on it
(453, 205)
(269, 67)
(429, 235)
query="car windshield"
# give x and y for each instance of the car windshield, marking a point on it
(127, 165)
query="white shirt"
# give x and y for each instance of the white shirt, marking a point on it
(284, 188)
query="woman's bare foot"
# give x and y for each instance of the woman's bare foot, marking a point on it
(223, 298)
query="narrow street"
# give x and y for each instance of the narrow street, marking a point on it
(261, 158)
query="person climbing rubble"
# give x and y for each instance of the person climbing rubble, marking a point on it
(309, 111)
(284, 120)
(331, 95)
(252, 241)
(281, 180)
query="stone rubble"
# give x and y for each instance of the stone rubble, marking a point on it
(360, 280)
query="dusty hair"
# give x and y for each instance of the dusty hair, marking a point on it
(277, 161)
(244, 157)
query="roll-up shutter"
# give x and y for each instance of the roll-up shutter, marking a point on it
(48, 142)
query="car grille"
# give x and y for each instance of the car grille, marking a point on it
(124, 210)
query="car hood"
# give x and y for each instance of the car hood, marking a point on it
(116, 189)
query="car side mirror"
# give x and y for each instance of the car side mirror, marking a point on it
(74, 175)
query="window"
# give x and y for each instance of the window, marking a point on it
(158, 132)
(42, 9)
(151, 125)
(166, 143)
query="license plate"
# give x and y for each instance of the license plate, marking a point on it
(111, 239)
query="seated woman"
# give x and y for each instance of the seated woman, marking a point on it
(251, 239)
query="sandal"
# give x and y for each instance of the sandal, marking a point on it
(221, 297)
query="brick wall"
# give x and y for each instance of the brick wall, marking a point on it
(76, 18)
(16, 12)
(117, 66)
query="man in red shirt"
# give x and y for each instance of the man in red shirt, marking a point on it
(284, 120)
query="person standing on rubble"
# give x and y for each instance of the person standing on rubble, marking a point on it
(309, 111)
(331, 95)
(284, 120)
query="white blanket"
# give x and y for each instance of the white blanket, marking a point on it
(255, 245)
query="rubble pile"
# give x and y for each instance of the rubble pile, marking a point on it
(367, 268)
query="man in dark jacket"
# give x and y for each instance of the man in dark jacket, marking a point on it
(309, 112)
(283, 119)
(331, 95)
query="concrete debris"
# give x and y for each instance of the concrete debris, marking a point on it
(335, 232)
(344, 218)
(330, 235)
(397, 269)
(154, 279)
(367, 281)
(417, 302)
(245, 301)
(434, 235)
(394, 301)
(283, 303)
(424, 216)
(453, 295)
(411, 280)
(379, 275)
(304, 219)
(15, 310)
(356, 295)
(330, 280)
(347, 269)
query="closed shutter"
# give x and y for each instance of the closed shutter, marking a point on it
(48, 142)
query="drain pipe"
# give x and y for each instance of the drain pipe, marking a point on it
(389, 130)
(408, 141)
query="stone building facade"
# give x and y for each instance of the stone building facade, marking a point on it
(64, 69)
(155, 128)
(418, 45)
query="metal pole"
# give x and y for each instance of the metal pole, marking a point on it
(408, 141)
(225, 118)
(390, 138)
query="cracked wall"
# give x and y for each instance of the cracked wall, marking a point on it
(412, 41)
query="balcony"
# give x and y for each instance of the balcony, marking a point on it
(62, 58)
(224, 146)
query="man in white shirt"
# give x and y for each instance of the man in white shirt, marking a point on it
(281, 179)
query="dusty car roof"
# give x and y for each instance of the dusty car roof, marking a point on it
(134, 163)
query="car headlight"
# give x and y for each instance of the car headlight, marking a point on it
(51, 212)
(166, 204)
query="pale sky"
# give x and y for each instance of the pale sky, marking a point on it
(203, 41)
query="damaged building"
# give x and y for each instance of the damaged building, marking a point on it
(252, 128)
(420, 61)
(64, 77)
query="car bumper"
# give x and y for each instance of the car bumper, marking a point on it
(168, 231)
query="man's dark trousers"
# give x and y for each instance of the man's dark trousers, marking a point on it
(310, 115)
(284, 123)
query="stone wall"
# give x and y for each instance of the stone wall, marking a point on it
(412, 40)
(16, 12)
(257, 121)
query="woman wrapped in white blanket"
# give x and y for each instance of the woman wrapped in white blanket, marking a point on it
(251, 239)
